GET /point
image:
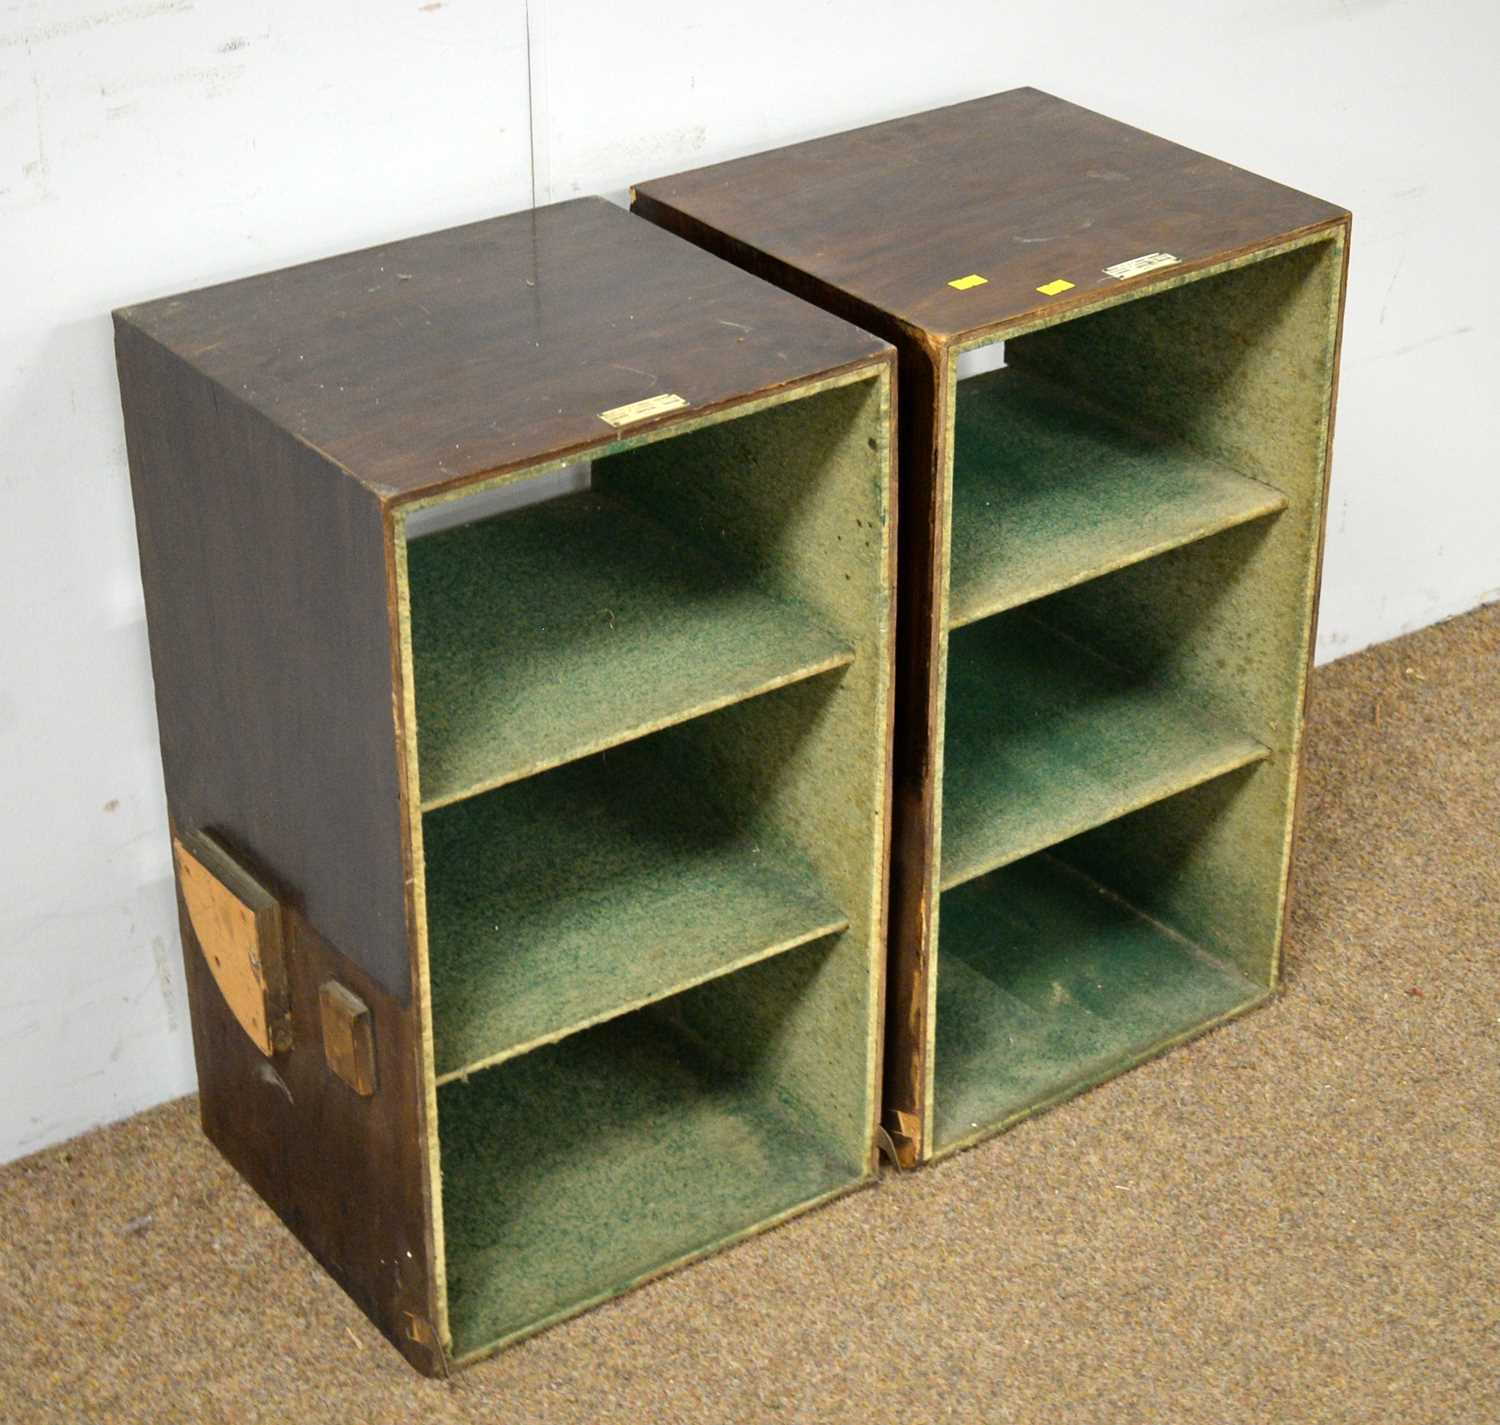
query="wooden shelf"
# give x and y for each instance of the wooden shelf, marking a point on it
(592, 890)
(651, 1153)
(578, 624)
(1151, 464)
(1048, 492)
(1045, 739)
(1048, 984)
(572, 799)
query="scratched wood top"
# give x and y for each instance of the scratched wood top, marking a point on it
(1021, 188)
(425, 362)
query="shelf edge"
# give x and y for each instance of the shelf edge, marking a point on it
(781, 947)
(1158, 793)
(803, 673)
(960, 614)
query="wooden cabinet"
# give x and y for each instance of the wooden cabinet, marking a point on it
(1109, 557)
(567, 825)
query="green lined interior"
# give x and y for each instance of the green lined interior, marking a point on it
(572, 1172)
(1049, 491)
(1049, 983)
(650, 737)
(1045, 738)
(595, 887)
(1119, 686)
(549, 633)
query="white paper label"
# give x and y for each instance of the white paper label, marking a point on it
(642, 410)
(1137, 265)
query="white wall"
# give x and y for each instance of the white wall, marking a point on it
(153, 146)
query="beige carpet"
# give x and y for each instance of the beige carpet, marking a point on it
(1295, 1219)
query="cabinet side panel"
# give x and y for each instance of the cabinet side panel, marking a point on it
(924, 448)
(266, 599)
(1242, 367)
(264, 571)
(344, 1171)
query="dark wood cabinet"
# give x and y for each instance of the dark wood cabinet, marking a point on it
(1109, 559)
(534, 899)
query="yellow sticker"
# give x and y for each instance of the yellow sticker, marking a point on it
(619, 416)
(962, 284)
(1056, 286)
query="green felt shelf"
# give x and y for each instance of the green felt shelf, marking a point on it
(574, 1171)
(592, 889)
(574, 625)
(1047, 984)
(1044, 739)
(1048, 493)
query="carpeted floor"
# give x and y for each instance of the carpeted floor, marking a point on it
(1296, 1219)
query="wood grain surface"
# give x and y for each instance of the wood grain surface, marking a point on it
(266, 591)
(345, 1172)
(453, 355)
(1021, 188)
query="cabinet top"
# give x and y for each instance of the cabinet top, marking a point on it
(430, 361)
(1022, 189)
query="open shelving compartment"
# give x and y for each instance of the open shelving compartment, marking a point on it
(521, 602)
(651, 740)
(1131, 553)
(1109, 557)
